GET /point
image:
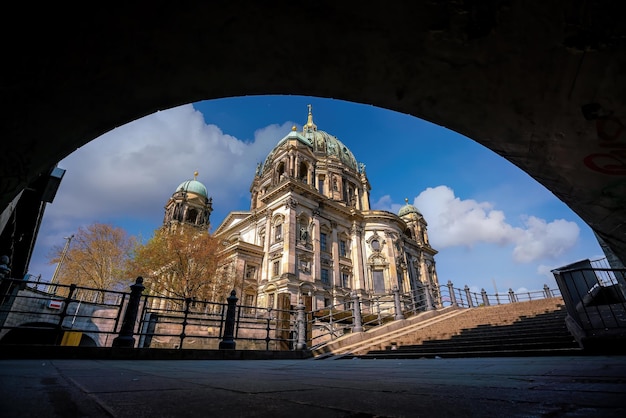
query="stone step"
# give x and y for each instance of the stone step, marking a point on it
(525, 352)
(482, 340)
(524, 328)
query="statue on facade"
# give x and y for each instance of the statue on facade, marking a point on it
(304, 233)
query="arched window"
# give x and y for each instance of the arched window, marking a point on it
(192, 215)
(303, 172)
(320, 183)
(278, 231)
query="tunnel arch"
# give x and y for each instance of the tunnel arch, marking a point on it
(538, 84)
(40, 333)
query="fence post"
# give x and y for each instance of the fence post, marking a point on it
(396, 303)
(356, 313)
(452, 295)
(125, 338)
(546, 291)
(63, 313)
(512, 295)
(301, 324)
(66, 304)
(185, 322)
(429, 298)
(228, 339)
(483, 293)
(469, 296)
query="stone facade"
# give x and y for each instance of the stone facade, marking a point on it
(310, 232)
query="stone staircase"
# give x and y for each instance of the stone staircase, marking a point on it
(519, 329)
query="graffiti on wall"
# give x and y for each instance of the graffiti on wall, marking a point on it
(611, 137)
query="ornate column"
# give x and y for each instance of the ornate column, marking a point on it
(265, 270)
(357, 256)
(290, 235)
(315, 239)
(335, 255)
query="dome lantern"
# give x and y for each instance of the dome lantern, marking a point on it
(407, 209)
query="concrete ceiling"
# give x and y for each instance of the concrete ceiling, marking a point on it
(540, 83)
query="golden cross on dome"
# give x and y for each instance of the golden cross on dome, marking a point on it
(195, 175)
(309, 122)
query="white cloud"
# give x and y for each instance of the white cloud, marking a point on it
(131, 171)
(541, 239)
(385, 203)
(455, 222)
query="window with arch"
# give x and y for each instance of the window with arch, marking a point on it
(280, 170)
(278, 230)
(192, 215)
(303, 172)
(320, 183)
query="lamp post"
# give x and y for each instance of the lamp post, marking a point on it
(51, 287)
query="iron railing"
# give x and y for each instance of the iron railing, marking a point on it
(74, 315)
(595, 298)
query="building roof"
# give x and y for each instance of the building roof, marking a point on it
(320, 142)
(407, 209)
(193, 186)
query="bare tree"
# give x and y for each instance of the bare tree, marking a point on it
(97, 258)
(182, 263)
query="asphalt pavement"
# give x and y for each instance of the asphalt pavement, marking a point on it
(577, 386)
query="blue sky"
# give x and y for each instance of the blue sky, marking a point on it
(494, 226)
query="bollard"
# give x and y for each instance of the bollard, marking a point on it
(356, 313)
(125, 338)
(301, 324)
(452, 295)
(228, 339)
(397, 304)
(483, 293)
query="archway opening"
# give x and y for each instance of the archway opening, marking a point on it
(482, 211)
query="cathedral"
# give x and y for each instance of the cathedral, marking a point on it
(310, 234)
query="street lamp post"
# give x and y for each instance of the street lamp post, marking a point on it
(52, 288)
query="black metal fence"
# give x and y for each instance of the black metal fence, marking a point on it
(74, 315)
(595, 297)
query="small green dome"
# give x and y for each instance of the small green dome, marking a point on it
(193, 186)
(407, 208)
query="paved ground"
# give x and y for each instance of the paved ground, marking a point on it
(579, 386)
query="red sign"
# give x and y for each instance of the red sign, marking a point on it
(55, 304)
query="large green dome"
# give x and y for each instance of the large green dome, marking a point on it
(321, 143)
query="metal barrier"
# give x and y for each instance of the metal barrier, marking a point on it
(66, 315)
(35, 313)
(75, 315)
(595, 298)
